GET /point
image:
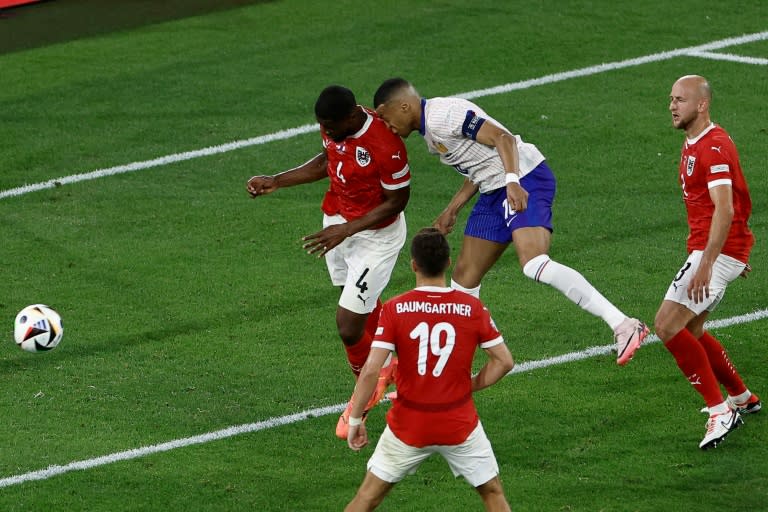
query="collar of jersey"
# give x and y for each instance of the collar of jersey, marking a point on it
(440, 289)
(366, 124)
(699, 136)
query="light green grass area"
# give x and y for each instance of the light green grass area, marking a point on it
(189, 308)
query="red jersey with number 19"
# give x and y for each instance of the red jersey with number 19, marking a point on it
(361, 167)
(435, 332)
(708, 161)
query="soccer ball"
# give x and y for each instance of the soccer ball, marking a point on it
(38, 328)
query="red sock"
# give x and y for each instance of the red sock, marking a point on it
(358, 353)
(373, 319)
(724, 370)
(692, 360)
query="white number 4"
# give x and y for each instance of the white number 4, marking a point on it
(422, 334)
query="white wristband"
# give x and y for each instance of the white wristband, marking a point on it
(353, 422)
(511, 177)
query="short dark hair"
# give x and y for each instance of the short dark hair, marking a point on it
(431, 252)
(335, 103)
(388, 89)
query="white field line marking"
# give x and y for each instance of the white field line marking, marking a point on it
(601, 68)
(651, 338)
(163, 160)
(135, 453)
(308, 128)
(730, 57)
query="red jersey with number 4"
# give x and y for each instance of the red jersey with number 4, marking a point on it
(435, 332)
(708, 161)
(361, 167)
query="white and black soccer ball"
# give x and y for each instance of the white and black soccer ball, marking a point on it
(38, 328)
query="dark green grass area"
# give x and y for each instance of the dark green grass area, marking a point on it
(189, 307)
(30, 25)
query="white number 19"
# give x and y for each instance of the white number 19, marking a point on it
(425, 337)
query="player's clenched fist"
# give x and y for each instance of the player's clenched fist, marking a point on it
(260, 185)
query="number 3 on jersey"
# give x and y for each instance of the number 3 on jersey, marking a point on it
(430, 339)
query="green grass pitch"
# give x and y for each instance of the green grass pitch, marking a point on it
(190, 308)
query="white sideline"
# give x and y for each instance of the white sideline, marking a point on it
(135, 453)
(704, 51)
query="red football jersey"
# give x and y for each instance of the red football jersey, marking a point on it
(361, 167)
(435, 332)
(707, 161)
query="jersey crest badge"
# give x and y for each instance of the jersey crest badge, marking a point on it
(362, 156)
(689, 164)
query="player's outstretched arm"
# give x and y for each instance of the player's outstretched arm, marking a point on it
(500, 362)
(313, 170)
(447, 219)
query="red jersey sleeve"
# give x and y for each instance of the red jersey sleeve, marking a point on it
(394, 170)
(719, 160)
(489, 333)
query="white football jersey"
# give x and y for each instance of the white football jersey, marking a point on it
(449, 126)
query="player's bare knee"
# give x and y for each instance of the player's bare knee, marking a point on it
(664, 330)
(350, 334)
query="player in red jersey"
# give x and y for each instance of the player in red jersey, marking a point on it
(435, 331)
(363, 222)
(719, 242)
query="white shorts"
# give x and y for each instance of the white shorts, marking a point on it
(725, 270)
(363, 263)
(473, 459)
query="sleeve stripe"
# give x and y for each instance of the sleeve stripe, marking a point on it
(396, 186)
(492, 343)
(383, 344)
(717, 183)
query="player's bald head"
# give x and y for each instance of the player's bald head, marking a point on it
(393, 89)
(696, 84)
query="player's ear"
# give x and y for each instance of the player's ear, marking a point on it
(414, 267)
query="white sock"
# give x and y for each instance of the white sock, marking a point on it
(720, 408)
(742, 398)
(475, 292)
(574, 286)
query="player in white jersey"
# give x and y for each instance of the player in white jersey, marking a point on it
(515, 204)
